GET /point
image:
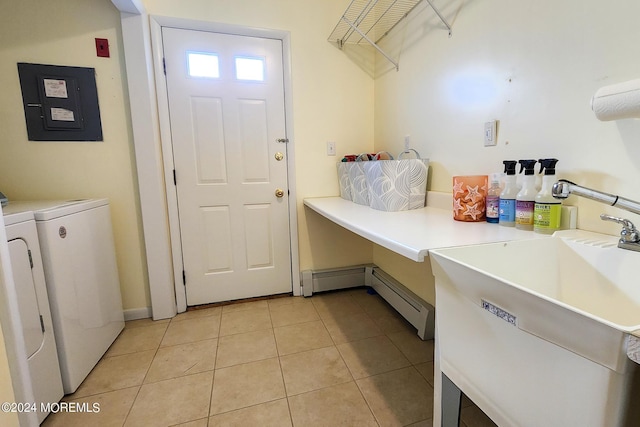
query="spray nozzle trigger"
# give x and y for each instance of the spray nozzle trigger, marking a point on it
(528, 166)
(509, 167)
(548, 166)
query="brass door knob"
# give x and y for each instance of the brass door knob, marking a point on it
(279, 193)
(279, 156)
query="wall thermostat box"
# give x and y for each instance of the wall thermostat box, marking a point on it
(60, 103)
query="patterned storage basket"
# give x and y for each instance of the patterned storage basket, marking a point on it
(359, 188)
(397, 185)
(343, 180)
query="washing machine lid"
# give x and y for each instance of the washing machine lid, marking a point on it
(11, 218)
(44, 210)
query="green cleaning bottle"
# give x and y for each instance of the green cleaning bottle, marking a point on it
(547, 211)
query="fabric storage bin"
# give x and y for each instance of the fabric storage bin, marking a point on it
(343, 180)
(397, 185)
(359, 189)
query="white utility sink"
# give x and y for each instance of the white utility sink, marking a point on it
(583, 272)
(536, 331)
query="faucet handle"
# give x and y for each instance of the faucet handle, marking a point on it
(624, 222)
(629, 233)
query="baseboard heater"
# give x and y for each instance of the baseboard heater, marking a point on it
(414, 309)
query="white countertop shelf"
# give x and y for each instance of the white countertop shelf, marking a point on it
(414, 232)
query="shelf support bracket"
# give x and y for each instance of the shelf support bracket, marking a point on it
(444, 21)
(371, 42)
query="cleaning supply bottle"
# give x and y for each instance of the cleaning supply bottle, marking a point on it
(525, 199)
(493, 199)
(507, 215)
(547, 210)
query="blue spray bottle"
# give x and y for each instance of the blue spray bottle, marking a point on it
(508, 195)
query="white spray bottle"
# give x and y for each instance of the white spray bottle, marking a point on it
(525, 200)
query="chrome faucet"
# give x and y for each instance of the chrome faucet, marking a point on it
(629, 236)
(563, 188)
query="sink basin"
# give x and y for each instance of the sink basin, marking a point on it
(536, 331)
(581, 271)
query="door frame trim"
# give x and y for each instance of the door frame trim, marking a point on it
(156, 25)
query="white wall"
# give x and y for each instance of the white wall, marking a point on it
(532, 65)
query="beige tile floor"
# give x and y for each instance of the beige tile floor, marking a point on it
(336, 359)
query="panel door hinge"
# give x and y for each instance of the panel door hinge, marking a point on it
(30, 258)
(175, 181)
(184, 278)
(42, 323)
(164, 66)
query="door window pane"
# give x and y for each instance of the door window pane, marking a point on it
(250, 68)
(203, 65)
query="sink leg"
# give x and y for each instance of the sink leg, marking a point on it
(451, 401)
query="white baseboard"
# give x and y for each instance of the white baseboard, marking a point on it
(332, 279)
(137, 313)
(415, 310)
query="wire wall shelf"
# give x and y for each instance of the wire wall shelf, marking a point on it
(369, 21)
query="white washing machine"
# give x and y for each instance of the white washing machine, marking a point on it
(33, 306)
(81, 274)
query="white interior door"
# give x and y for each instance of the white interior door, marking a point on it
(227, 116)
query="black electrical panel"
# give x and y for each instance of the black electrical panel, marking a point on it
(60, 103)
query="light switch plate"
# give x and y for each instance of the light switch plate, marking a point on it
(331, 148)
(490, 137)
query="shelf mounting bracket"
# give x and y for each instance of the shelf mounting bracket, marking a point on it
(371, 42)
